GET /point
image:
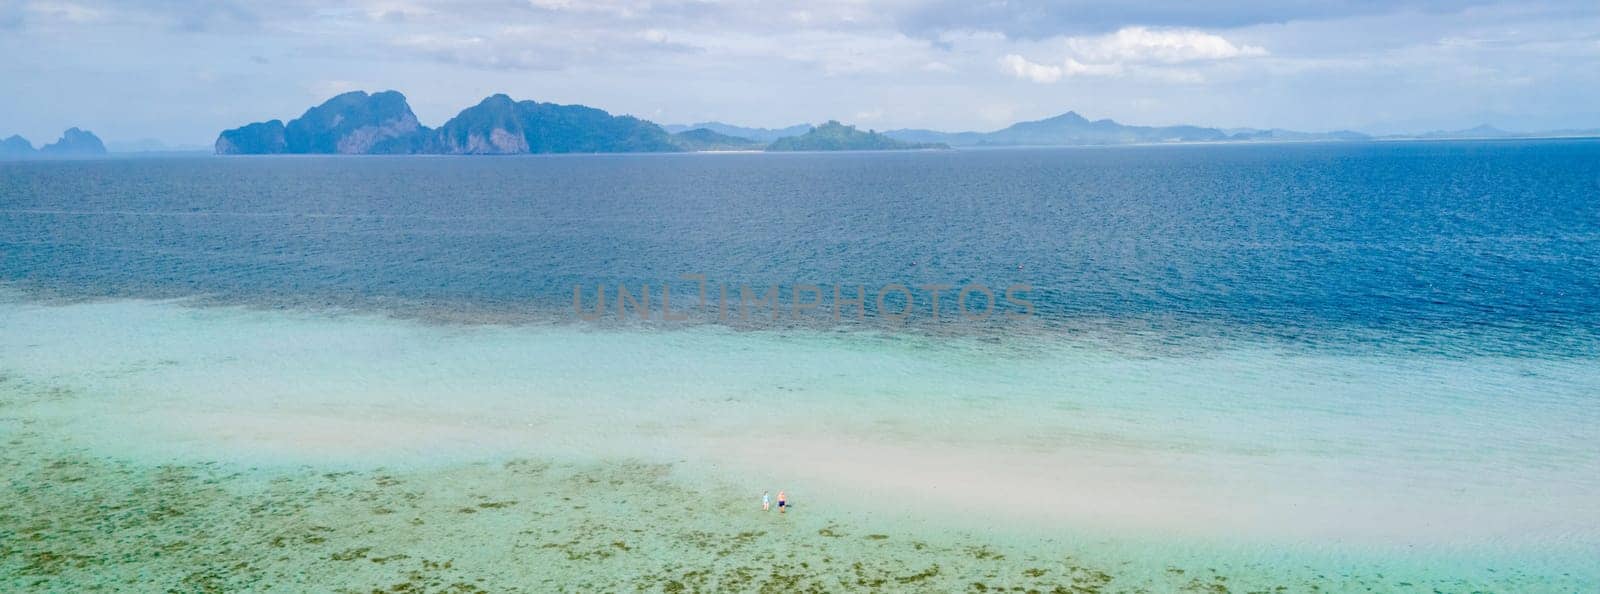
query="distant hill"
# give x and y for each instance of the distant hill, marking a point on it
(702, 139)
(73, 143)
(260, 138)
(1066, 129)
(1279, 134)
(834, 136)
(353, 123)
(1479, 131)
(15, 146)
(761, 135)
(498, 125)
(950, 138)
(1071, 129)
(382, 123)
(1486, 131)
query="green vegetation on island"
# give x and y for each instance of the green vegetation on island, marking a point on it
(354, 122)
(762, 136)
(357, 123)
(499, 125)
(834, 136)
(703, 139)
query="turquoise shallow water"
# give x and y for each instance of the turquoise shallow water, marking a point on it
(1254, 463)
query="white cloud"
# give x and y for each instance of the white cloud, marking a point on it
(1147, 52)
(777, 62)
(541, 47)
(1172, 46)
(396, 10)
(1076, 68)
(1020, 67)
(828, 53)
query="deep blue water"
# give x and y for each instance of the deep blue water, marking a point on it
(1448, 246)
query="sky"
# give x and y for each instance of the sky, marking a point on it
(182, 71)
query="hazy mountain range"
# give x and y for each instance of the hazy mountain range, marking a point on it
(1067, 129)
(1487, 131)
(1072, 129)
(73, 143)
(357, 123)
(383, 123)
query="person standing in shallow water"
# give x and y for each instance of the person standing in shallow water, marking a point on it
(766, 500)
(783, 502)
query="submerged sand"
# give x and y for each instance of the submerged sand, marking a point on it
(156, 447)
(81, 525)
(77, 521)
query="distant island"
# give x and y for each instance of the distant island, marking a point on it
(1071, 129)
(358, 123)
(383, 123)
(705, 139)
(762, 136)
(834, 136)
(73, 143)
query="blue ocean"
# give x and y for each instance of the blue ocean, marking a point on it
(1363, 366)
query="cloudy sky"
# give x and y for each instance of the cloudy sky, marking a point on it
(181, 71)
